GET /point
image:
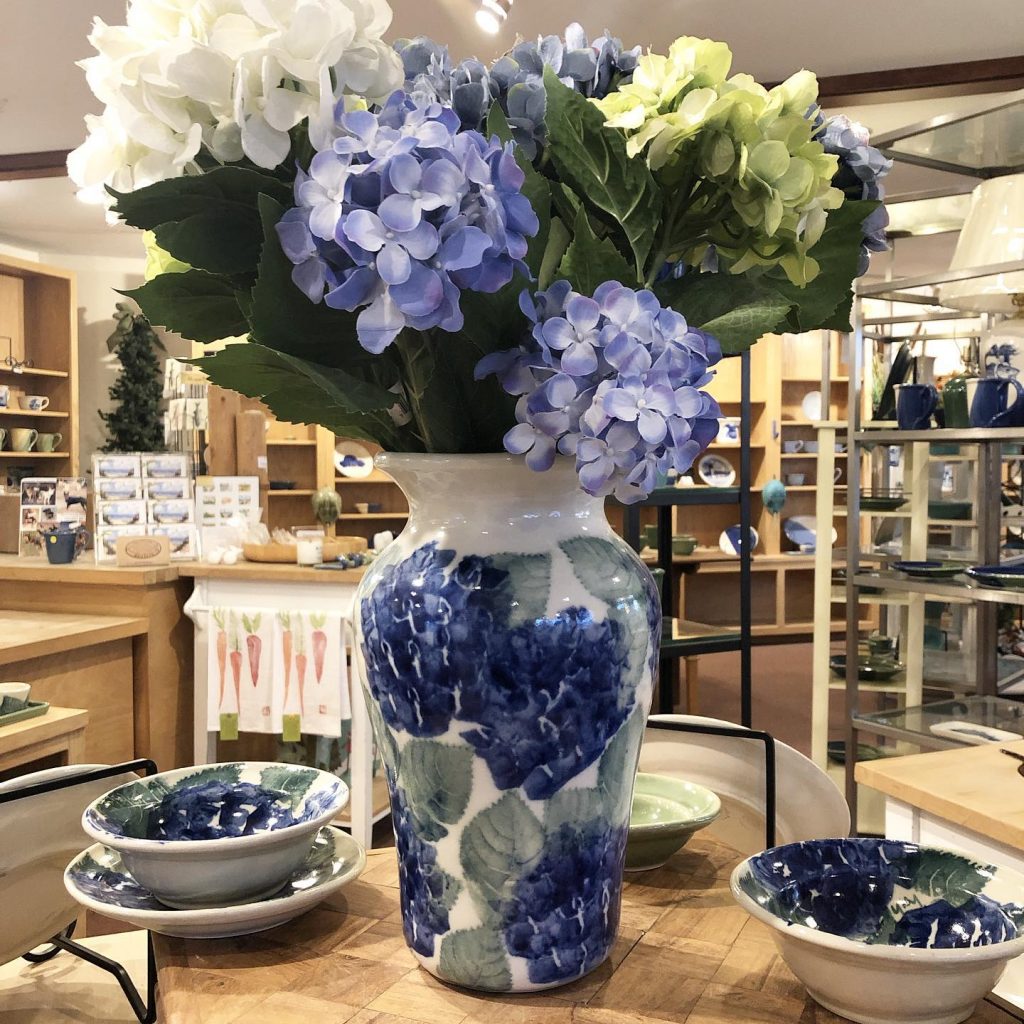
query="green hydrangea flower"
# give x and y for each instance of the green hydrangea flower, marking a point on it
(740, 160)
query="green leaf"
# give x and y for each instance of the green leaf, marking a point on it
(437, 779)
(949, 876)
(499, 845)
(196, 305)
(589, 262)
(617, 769)
(298, 391)
(209, 221)
(738, 329)
(573, 807)
(292, 781)
(605, 568)
(384, 737)
(525, 592)
(592, 160)
(558, 241)
(226, 773)
(497, 123)
(475, 957)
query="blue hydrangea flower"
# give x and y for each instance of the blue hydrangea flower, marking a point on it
(861, 170)
(563, 915)
(402, 214)
(613, 379)
(427, 891)
(540, 700)
(213, 810)
(516, 80)
(981, 921)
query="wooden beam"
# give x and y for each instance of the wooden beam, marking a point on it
(50, 163)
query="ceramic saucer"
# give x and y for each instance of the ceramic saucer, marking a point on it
(97, 879)
(932, 569)
(352, 460)
(1011, 577)
(716, 471)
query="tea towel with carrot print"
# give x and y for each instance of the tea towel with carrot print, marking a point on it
(311, 674)
(240, 670)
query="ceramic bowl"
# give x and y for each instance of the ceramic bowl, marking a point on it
(16, 691)
(931, 569)
(886, 932)
(1010, 577)
(795, 479)
(666, 812)
(217, 834)
(683, 544)
(871, 668)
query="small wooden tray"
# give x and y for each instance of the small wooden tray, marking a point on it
(274, 552)
(31, 710)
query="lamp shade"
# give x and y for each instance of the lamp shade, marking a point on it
(993, 233)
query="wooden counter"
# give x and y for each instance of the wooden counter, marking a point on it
(160, 653)
(976, 788)
(25, 635)
(273, 572)
(686, 954)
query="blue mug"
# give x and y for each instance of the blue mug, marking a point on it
(991, 405)
(915, 404)
(63, 543)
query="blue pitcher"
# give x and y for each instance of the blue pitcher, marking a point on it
(992, 404)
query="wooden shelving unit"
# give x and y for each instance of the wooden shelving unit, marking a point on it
(39, 356)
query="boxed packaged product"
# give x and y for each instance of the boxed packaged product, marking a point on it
(127, 489)
(157, 466)
(184, 540)
(106, 540)
(171, 513)
(116, 467)
(168, 489)
(120, 513)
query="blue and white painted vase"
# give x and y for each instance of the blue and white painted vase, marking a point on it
(509, 643)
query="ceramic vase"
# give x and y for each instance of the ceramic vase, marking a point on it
(509, 641)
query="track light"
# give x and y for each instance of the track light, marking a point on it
(492, 15)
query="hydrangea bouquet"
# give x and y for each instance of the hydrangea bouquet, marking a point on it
(546, 254)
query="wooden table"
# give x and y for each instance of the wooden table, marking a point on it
(78, 660)
(60, 734)
(686, 954)
(161, 652)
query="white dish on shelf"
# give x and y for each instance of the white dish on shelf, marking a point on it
(729, 430)
(352, 460)
(969, 732)
(811, 406)
(716, 471)
(803, 531)
(729, 540)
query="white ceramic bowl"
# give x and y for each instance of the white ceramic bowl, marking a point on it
(171, 833)
(862, 923)
(19, 691)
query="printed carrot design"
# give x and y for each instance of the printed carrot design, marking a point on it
(222, 652)
(319, 645)
(236, 664)
(286, 650)
(254, 645)
(300, 664)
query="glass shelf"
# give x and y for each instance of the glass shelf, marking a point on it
(915, 724)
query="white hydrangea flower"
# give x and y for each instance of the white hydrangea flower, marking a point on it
(229, 78)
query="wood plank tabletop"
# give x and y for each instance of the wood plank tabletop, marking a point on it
(83, 570)
(56, 722)
(33, 634)
(975, 787)
(686, 954)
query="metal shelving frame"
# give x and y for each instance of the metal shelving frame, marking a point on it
(665, 499)
(916, 291)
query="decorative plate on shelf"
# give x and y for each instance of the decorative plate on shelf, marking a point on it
(98, 879)
(803, 531)
(869, 670)
(931, 569)
(811, 406)
(352, 460)
(1009, 577)
(970, 732)
(716, 471)
(729, 541)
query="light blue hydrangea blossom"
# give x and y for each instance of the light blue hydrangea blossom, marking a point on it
(615, 380)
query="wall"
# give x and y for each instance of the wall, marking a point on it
(99, 277)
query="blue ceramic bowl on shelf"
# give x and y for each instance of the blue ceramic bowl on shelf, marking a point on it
(217, 834)
(1009, 577)
(886, 932)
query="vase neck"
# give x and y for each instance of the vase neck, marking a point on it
(484, 486)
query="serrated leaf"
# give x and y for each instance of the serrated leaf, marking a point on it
(573, 807)
(738, 329)
(949, 876)
(497, 123)
(589, 261)
(476, 958)
(592, 160)
(298, 391)
(195, 304)
(604, 568)
(437, 779)
(499, 845)
(525, 592)
(226, 773)
(558, 241)
(617, 769)
(294, 782)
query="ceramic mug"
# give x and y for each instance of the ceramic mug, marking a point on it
(5, 395)
(49, 442)
(915, 404)
(792, 447)
(837, 474)
(23, 438)
(991, 404)
(62, 546)
(33, 403)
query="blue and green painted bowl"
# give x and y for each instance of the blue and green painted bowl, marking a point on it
(886, 932)
(665, 813)
(217, 834)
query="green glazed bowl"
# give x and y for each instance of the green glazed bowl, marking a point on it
(683, 544)
(665, 813)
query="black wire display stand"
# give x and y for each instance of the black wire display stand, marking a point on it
(664, 498)
(144, 1009)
